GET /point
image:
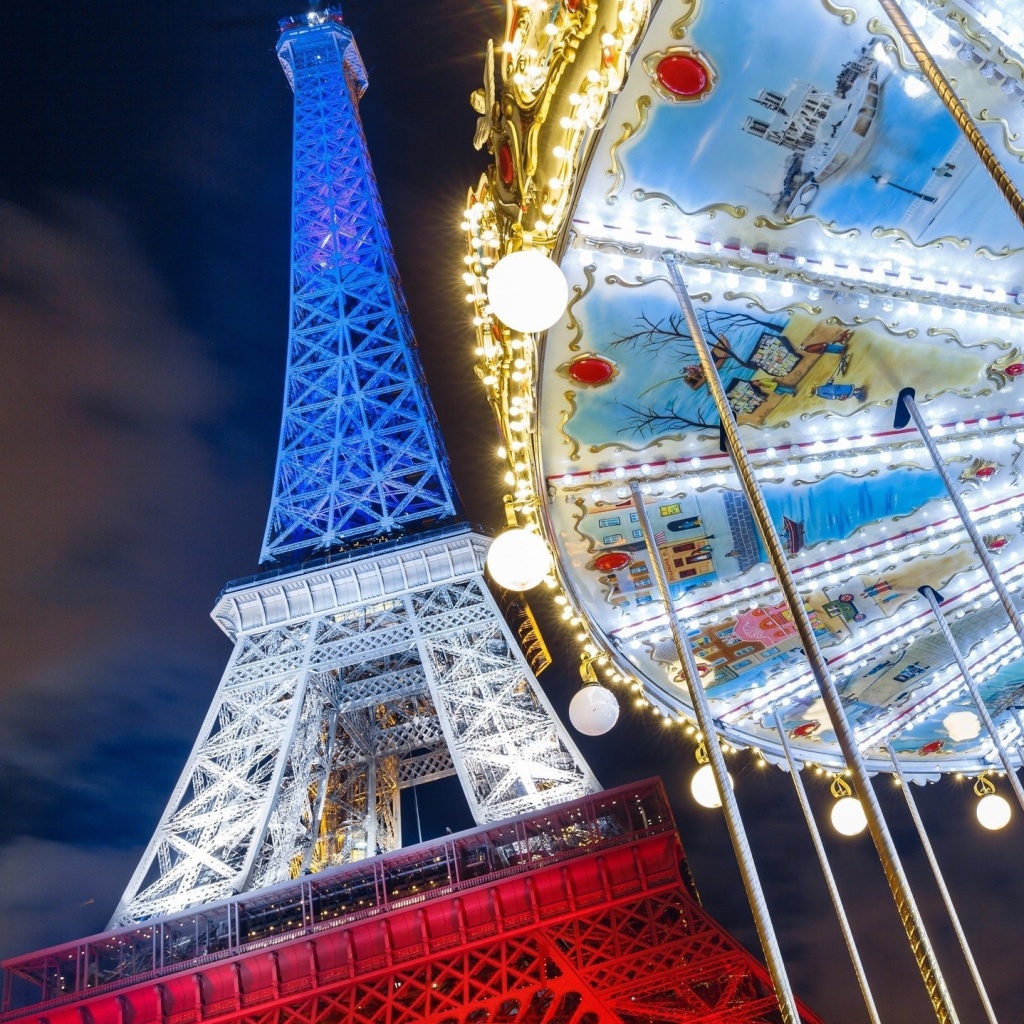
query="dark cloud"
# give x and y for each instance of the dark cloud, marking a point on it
(107, 474)
(63, 890)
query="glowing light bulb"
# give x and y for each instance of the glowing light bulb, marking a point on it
(705, 789)
(993, 812)
(848, 816)
(527, 291)
(593, 710)
(518, 560)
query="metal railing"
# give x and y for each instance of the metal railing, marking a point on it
(340, 896)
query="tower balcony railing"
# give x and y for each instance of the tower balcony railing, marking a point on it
(376, 546)
(339, 896)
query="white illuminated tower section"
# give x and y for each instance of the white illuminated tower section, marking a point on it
(372, 657)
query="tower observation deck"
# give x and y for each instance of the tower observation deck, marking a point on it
(582, 913)
(373, 656)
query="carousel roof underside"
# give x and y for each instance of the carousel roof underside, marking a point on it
(841, 241)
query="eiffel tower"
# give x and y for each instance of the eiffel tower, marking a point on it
(371, 656)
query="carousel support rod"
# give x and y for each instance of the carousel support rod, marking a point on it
(934, 599)
(954, 918)
(826, 870)
(913, 925)
(1020, 733)
(730, 806)
(906, 407)
(941, 84)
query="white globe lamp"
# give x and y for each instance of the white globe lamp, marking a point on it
(848, 816)
(527, 291)
(993, 812)
(704, 788)
(593, 710)
(518, 559)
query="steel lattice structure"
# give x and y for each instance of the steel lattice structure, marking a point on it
(348, 683)
(385, 667)
(360, 454)
(583, 914)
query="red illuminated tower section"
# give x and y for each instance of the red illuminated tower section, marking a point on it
(581, 914)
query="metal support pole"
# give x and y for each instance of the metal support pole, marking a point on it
(826, 870)
(941, 883)
(947, 94)
(1020, 734)
(730, 807)
(906, 398)
(917, 937)
(972, 688)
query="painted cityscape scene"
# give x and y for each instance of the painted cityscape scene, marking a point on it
(818, 119)
(798, 380)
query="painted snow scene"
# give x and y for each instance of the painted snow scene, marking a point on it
(756, 162)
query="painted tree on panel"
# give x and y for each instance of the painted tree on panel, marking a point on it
(662, 407)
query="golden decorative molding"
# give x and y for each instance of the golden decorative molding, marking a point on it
(965, 28)
(842, 413)
(668, 203)
(577, 521)
(952, 335)
(848, 15)
(607, 245)
(900, 237)
(594, 449)
(630, 132)
(1007, 59)
(877, 27)
(860, 321)
(563, 419)
(930, 396)
(680, 25)
(753, 300)
(639, 282)
(578, 293)
(828, 227)
(1009, 136)
(985, 252)
(852, 474)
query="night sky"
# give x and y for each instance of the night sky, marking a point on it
(144, 231)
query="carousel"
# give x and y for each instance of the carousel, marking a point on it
(748, 302)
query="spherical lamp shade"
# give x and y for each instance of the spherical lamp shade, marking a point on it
(993, 811)
(704, 788)
(518, 559)
(848, 816)
(594, 710)
(527, 291)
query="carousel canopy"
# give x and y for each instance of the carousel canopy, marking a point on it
(841, 241)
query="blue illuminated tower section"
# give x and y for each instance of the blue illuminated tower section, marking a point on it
(360, 455)
(388, 664)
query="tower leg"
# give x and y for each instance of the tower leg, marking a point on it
(346, 685)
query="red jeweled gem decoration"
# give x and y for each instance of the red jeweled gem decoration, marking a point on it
(985, 472)
(591, 370)
(611, 560)
(506, 166)
(1015, 369)
(682, 74)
